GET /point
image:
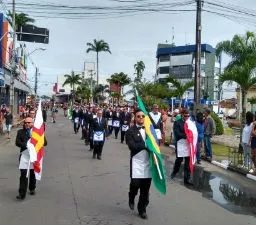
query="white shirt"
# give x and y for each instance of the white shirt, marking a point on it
(155, 117)
(247, 133)
(143, 133)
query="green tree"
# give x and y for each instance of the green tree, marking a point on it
(139, 69)
(99, 91)
(121, 78)
(98, 46)
(241, 69)
(83, 92)
(180, 88)
(21, 19)
(72, 80)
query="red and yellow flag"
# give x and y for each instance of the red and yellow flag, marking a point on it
(37, 140)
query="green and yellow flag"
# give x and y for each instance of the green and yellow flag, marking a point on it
(156, 162)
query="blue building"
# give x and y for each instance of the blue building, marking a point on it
(179, 61)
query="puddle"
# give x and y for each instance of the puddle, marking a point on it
(225, 192)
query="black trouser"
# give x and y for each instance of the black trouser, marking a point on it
(110, 130)
(86, 135)
(76, 127)
(123, 136)
(142, 184)
(116, 131)
(97, 148)
(24, 182)
(177, 165)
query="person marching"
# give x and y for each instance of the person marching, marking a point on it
(156, 119)
(180, 145)
(54, 112)
(116, 121)
(99, 128)
(75, 118)
(91, 116)
(108, 115)
(139, 165)
(22, 138)
(125, 121)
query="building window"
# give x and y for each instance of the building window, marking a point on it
(182, 72)
(164, 58)
(164, 70)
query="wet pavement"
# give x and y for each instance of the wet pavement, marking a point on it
(220, 189)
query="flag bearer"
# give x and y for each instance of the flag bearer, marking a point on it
(22, 138)
(140, 172)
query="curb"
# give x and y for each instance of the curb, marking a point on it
(226, 167)
(250, 176)
(219, 164)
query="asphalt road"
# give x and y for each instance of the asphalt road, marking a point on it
(76, 189)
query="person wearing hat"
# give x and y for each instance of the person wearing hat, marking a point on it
(140, 172)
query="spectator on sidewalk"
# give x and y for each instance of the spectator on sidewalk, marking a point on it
(8, 122)
(246, 138)
(253, 147)
(200, 130)
(209, 131)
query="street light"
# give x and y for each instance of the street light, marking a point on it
(36, 73)
(41, 49)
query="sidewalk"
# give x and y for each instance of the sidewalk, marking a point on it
(16, 125)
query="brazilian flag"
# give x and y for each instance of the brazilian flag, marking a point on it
(156, 161)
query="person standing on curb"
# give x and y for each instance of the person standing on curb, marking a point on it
(209, 131)
(246, 138)
(200, 130)
(140, 172)
(8, 122)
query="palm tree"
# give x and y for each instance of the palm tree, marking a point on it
(72, 80)
(180, 88)
(83, 91)
(241, 69)
(98, 92)
(98, 46)
(139, 68)
(121, 78)
(21, 19)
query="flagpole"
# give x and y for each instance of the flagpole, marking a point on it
(157, 166)
(28, 170)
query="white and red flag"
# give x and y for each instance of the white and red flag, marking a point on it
(36, 143)
(192, 136)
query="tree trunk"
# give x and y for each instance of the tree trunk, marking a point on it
(242, 117)
(73, 94)
(97, 61)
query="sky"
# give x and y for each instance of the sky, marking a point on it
(131, 39)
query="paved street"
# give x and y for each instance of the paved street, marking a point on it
(75, 189)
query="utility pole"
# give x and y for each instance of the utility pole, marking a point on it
(91, 75)
(197, 87)
(36, 81)
(13, 63)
